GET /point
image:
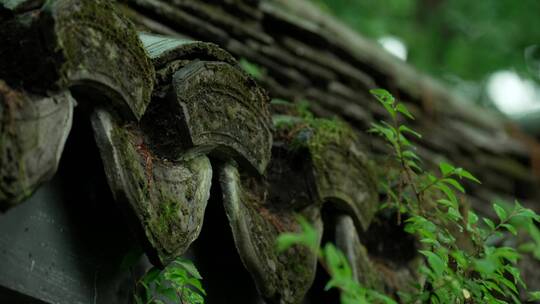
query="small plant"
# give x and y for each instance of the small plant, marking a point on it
(179, 282)
(457, 271)
(463, 264)
(252, 69)
(335, 263)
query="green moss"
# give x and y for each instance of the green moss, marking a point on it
(327, 131)
(156, 208)
(165, 215)
(17, 184)
(131, 160)
(252, 69)
(96, 40)
(304, 130)
(288, 274)
(167, 211)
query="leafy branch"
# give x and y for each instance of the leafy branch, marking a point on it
(179, 282)
(336, 265)
(454, 274)
(461, 265)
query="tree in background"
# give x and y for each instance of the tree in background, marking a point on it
(462, 42)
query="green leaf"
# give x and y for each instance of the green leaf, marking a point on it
(501, 213)
(161, 288)
(404, 141)
(446, 168)
(527, 247)
(507, 253)
(311, 238)
(421, 225)
(138, 299)
(303, 108)
(461, 260)
(382, 95)
(175, 272)
(151, 275)
(448, 192)
(435, 262)
(332, 283)
(485, 266)
(337, 263)
(489, 223)
(510, 228)
(403, 110)
(507, 283)
(413, 165)
(307, 237)
(287, 240)
(466, 174)
(193, 298)
(196, 284)
(492, 286)
(430, 241)
(377, 297)
(410, 155)
(283, 121)
(525, 212)
(387, 132)
(170, 293)
(534, 296)
(251, 68)
(454, 213)
(189, 267)
(386, 99)
(454, 183)
(447, 203)
(446, 238)
(515, 274)
(332, 258)
(472, 218)
(405, 129)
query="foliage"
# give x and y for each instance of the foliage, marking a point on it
(252, 69)
(456, 271)
(179, 282)
(470, 39)
(337, 265)
(463, 264)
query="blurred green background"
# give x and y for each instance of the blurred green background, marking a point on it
(487, 50)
